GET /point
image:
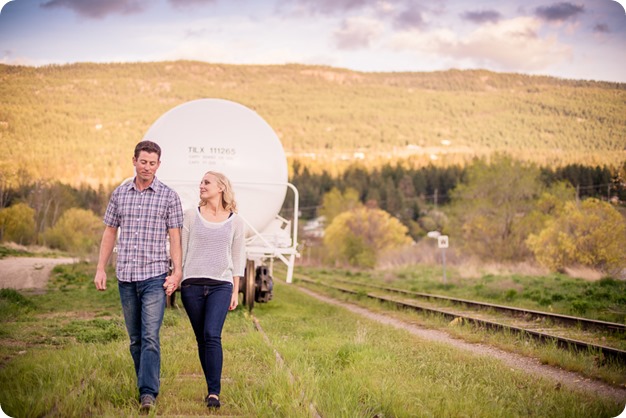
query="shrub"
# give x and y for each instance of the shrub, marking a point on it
(591, 234)
(510, 295)
(580, 307)
(17, 224)
(358, 236)
(77, 231)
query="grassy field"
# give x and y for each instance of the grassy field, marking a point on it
(65, 353)
(496, 289)
(603, 299)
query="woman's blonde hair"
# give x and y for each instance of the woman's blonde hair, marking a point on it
(228, 195)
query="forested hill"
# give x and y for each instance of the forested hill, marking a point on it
(78, 123)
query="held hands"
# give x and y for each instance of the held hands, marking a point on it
(171, 284)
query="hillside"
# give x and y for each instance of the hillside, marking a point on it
(78, 123)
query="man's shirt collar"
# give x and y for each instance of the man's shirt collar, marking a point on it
(154, 186)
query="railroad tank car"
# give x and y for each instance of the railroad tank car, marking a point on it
(224, 136)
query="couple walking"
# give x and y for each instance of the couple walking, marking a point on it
(207, 261)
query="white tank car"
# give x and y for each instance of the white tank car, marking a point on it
(220, 135)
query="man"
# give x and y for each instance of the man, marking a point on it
(146, 211)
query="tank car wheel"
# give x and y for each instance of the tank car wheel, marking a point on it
(249, 288)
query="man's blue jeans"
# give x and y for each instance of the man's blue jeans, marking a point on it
(207, 307)
(143, 304)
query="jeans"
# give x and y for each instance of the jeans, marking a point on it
(143, 304)
(207, 307)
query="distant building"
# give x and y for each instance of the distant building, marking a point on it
(314, 228)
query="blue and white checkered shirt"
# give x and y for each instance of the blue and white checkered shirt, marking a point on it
(144, 218)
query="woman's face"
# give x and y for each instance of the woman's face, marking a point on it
(209, 187)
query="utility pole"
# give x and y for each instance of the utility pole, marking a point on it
(442, 242)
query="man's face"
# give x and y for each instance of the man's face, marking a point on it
(146, 165)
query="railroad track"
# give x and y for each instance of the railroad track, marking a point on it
(282, 364)
(516, 312)
(530, 317)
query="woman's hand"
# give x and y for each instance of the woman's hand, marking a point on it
(170, 285)
(234, 300)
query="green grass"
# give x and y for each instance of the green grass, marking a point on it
(11, 252)
(31, 252)
(63, 356)
(591, 364)
(604, 299)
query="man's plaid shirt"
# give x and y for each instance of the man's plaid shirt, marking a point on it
(144, 218)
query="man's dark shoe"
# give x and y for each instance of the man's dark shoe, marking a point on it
(212, 401)
(147, 402)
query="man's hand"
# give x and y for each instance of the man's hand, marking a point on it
(106, 248)
(171, 284)
(100, 280)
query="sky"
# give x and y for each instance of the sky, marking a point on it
(581, 39)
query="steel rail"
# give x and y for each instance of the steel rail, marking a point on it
(565, 319)
(562, 342)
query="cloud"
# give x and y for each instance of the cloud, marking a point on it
(357, 33)
(189, 3)
(97, 9)
(483, 16)
(411, 18)
(601, 28)
(327, 6)
(559, 11)
(509, 45)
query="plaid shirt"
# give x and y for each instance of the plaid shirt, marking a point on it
(144, 218)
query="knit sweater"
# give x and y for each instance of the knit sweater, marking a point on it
(214, 250)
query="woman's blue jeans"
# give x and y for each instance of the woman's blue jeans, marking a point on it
(207, 307)
(143, 304)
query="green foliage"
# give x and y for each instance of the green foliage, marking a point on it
(17, 224)
(5, 252)
(360, 235)
(335, 202)
(580, 307)
(490, 207)
(95, 331)
(13, 304)
(592, 233)
(510, 295)
(77, 231)
(553, 199)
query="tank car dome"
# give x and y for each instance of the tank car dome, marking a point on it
(220, 135)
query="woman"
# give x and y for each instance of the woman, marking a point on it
(213, 263)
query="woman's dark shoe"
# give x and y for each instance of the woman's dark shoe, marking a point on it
(212, 401)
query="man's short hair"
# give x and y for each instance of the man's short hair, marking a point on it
(149, 147)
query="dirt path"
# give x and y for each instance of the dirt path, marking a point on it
(28, 272)
(515, 361)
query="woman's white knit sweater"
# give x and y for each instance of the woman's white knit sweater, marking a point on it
(214, 250)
